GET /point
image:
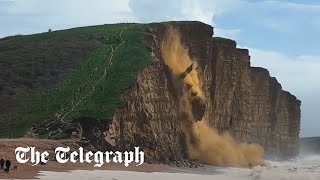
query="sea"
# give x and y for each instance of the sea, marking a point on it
(305, 167)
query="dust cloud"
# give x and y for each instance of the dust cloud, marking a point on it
(204, 143)
(222, 150)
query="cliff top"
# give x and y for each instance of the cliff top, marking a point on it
(224, 42)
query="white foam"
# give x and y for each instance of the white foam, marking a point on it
(302, 168)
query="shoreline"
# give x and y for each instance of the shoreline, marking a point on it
(27, 171)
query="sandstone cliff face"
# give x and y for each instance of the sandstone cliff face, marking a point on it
(241, 99)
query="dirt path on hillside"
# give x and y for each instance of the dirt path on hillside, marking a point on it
(104, 76)
(60, 115)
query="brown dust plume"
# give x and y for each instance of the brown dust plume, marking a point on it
(204, 143)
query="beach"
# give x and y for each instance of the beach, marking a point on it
(27, 171)
(305, 167)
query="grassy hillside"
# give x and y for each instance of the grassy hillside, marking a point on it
(53, 78)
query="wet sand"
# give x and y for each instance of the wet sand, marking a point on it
(302, 168)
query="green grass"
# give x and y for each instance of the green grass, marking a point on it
(37, 105)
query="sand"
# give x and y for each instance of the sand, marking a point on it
(27, 171)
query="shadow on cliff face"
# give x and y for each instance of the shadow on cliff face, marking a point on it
(89, 132)
(204, 143)
(198, 108)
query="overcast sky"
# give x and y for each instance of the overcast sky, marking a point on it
(282, 35)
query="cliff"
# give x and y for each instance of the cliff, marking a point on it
(229, 95)
(242, 100)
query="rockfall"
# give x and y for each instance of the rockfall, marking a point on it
(243, 100)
